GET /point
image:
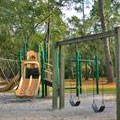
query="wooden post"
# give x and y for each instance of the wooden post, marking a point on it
(45, 60)
(49, 69)
(62, 86)
(55, 87)
(117, 52)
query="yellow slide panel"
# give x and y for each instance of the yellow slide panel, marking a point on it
(33, 87)
(20, 92)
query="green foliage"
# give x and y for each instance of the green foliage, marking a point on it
(24, 21)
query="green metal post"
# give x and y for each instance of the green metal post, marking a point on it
(97, 74)
(45, 52)
(77, 73)
(61, 78)
(20, 60)
(42, 74)
(58, 75)
(80, 74)
(37, 50)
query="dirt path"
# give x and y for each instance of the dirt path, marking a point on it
(41, 109)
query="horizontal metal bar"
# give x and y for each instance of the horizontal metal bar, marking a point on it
(86, 38)
(83, 60)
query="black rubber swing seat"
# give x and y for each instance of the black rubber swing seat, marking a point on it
(74, 104)
(96, 109)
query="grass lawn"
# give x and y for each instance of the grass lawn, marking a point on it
(87, 86)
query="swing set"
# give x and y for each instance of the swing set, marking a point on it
(59, 46)
(95, 75)
(94, 105)
(72, 102)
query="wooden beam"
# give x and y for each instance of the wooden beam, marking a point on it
(117, 55)
(62, 85)
(86, 38)
(55, 88)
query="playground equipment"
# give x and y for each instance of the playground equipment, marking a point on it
(46, 73)
(95, 74)
(9, 86)
(29, 73)
(94, 105)
(79, 62)
(33, 87)
(30, 79)
(30, 67)
(31, 76)
(36, 70)
(59, 47)
(8, 74)
(71, 101)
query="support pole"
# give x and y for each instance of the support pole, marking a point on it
(58, 72)
(55, 88)
(25, 51)
(42, 74)
(38, 52)
(62, 78)
(117, 57)
(97, 74)
(20, 60)
(45, 51)
(77, 73)
(80, 74)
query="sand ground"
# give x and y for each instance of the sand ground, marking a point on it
(41, 109)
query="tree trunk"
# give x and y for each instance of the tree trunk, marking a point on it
(106, 43)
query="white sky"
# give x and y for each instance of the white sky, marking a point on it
(68, 13)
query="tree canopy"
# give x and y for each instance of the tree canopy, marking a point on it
(25, 21)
